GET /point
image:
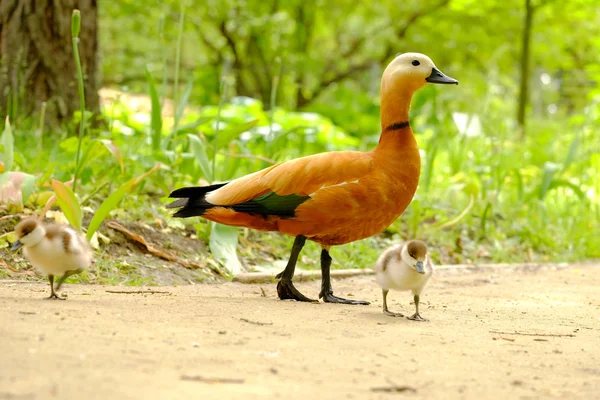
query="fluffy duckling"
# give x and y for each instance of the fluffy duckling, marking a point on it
(55, 249)
(404, 267)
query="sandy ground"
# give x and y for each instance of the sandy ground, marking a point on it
(186, 343)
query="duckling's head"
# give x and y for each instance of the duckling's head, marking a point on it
(412, 71)
(414, 254)
(29, 232)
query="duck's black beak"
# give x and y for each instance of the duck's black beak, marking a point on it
(16, 245)
(438, 77)
(419, 267)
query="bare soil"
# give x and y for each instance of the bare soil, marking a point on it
(492, 334)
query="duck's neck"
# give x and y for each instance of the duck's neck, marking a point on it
(395, 127)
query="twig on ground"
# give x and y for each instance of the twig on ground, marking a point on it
(533, 334)
(262, 292)
(159, 252)
(137, 291)
(256, 322)
(393, 389)
(198, 378)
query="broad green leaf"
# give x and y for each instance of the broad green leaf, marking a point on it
(229, 134)
(7, 142)
(156, 116)
(112, 201)
(68, 203)
(223, 244)
(199, 150)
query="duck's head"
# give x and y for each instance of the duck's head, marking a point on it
(29, 232)
(414, 254)
(412, 71)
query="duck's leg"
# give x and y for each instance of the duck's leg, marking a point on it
(65, 276)
(326, 289)
(385, 307)
(416, 316)
(53, 295)
(285, 287)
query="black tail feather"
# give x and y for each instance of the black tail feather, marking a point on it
(195, 191)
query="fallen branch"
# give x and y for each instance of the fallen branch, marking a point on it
(265, 277)
(533, 334)
(137, 292)
(165, 255)
(256, 322)
(198, 378)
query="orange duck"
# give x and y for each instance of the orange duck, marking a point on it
(330, 198)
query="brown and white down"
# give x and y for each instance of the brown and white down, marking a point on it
(404, 267)
(54, 249)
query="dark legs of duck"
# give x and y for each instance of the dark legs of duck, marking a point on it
(385, 307)
(326, 289)
(285, 287)
(65, 276)
(416, 316)
(53, 295)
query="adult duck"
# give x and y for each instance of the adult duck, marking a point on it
(330, 198)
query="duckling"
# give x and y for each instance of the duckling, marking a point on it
(404, 267)
(55, 249)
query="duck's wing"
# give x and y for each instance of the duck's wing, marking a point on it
(277, 190)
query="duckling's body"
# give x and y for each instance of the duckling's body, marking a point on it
(404, 267)
(54, 249)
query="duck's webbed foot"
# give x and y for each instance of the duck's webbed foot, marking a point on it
(53, 295)
(417, 317)
(287, 291)
(392, 314)
(326, 289)
(328, 297)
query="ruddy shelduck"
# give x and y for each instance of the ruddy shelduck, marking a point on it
(55, 249)
(330, 198)
(404, 267)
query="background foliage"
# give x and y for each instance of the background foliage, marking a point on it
(216, 89)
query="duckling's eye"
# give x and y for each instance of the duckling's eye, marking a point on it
(415, 62)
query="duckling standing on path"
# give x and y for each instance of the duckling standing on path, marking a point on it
(55, 249)
(404, 267)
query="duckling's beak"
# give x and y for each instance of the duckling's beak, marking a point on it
(419, 267)
(438, 77)
(16, 245)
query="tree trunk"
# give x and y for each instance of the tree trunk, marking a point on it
(524, 84)
(36, 58)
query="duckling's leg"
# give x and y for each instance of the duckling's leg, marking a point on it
(65, 276)
(53, 295)
(416, 316)
(385, 307)
(285, 287)
(326, 289)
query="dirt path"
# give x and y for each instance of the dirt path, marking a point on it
(100, 345)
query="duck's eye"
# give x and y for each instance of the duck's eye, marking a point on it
(415, 62)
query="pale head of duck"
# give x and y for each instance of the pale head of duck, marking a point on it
(409, 72)
(414, 254)
(29, 232)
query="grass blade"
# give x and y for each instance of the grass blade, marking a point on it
(75, 25)
(198, 148)
(113, 201)
(156, 115)
(7, 141)
(114, 150)
(68, 203)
